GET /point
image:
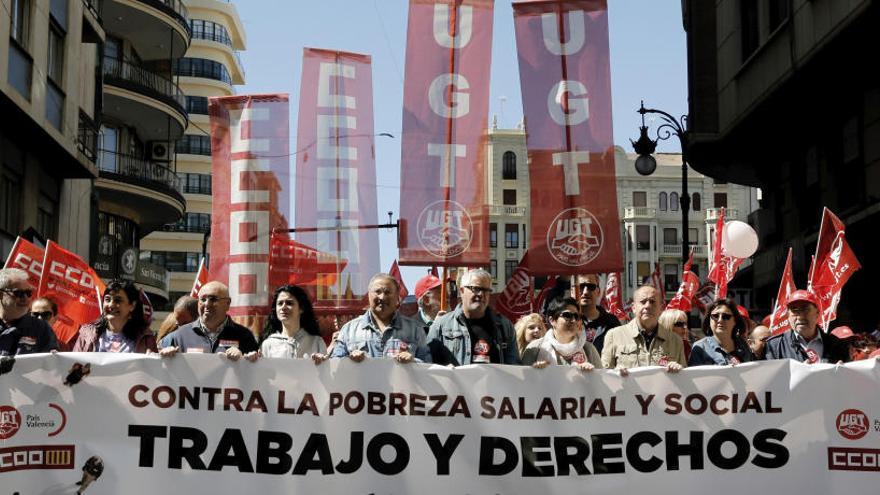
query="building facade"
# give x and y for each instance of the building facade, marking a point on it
(776, 103)
(210, 67)
(648, 208)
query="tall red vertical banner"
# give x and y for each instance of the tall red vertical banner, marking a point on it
(336, 173)
(566, 89)
(250, 155)
(445, 108)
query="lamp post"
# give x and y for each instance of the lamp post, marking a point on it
(646, 164)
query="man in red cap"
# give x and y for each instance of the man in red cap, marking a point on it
(805, 342)
(428, 299)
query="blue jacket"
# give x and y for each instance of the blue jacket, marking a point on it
(708, 351)
(363, 334)
(450, 340)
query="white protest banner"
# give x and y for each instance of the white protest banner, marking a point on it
(203, 424)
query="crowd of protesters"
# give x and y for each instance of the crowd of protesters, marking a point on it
(575, 330)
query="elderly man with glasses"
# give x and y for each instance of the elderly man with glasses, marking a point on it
(21, 333)
(213, 332)
(805, 341)
(472, 333)
(596, 320)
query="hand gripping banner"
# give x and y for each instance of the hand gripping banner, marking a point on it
(336, 172)
(121, 423)
(445, 107)
(566, 89)
(249, 154)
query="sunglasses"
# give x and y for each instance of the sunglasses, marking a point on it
(19, 293)
(721, 316)
(569, 315)
(476, 289)
(43, 315)
(680, 324)
(588, 286)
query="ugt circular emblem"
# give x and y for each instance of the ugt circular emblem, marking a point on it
(10, 421)
(445, 229)
(575, 237)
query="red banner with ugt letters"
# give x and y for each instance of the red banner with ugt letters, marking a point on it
(28, 257)
(566, 90)
(74, 286)
(249, 154)
(445, 106)
(336, 174)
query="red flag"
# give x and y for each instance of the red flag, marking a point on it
(833, 265)
(147, 306)
(690, 282)
(779, 316)
(249, 139)
(704, 296)
(201, 279)
(292, 262)
(613, 297)
(657, 282)
(445, 110)
(72, 284)
(395, 272)
(27, 257)
(435, 272)
(566, 90)
(548, 286)
(518, 297)
(723, 266)
(336, 172)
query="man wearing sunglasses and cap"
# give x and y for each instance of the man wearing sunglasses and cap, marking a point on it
(805, 342)
(21, 333)
(596, 320)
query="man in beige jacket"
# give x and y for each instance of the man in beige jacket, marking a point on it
(642, 342)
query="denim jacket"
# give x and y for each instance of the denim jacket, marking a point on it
(708, 351)
(450, 340)
(363, 334)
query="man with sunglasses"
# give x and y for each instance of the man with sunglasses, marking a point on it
(472, 333)
(596, 320)
(21, 333)
(805, 341)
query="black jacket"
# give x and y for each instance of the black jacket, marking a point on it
(599, 327)
(786, 346)
(26, 335)
(192, 338)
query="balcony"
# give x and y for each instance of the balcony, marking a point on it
(507, 210)
(87, 137)
(158, 29)
(713, 213)
(639, 213)
(143, 191)
(674, 250)
(145, 100)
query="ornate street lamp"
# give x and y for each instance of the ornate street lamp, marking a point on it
(646, 164)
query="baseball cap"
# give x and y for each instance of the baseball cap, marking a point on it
(802, 295)
(425, 284)
(844, 333)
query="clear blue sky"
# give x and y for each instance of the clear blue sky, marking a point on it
(648, 61)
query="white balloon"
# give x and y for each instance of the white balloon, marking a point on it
(739, 239)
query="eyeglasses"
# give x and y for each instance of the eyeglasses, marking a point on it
(569, 315)
(19, 293)
(476, 289)
(43, 315)
(588, 286)
(721, 316)
(680, 324)
(211, 299)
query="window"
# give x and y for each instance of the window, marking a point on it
(720, 200)
(670, 278)
(21, 22)
(509, 268)
(207, 30)
(191, 222)
(508, 170)
(509, 197)
(10, 200)
(643, 271)
(693, 237)
(493, 235)
(673, 201)
(195, 183)
(493, 269)
(113, 48)
(197, 104)
(511, 235)
(640, 198)
(749, 30)
(663, 201)
(46, 220)
(20, 65)
(643, 237)
(670, 237)
(201, 67)
(55, 73)
(173, 261)
(695, 201)
(777, 13)
(194, 145)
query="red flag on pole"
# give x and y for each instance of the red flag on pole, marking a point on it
(613, 299)
(657, 282)
(545, 290)
(723, 266)
(395, 272)
(834, 264)
(201, 278)
(28, 257)
(779, 316)
(445, 108)
(72, 284)
(683, 299)
(566, 90)
(517, 298)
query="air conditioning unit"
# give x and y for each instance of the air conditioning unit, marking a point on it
(160, 152)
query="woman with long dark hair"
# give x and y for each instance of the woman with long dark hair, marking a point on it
(725, 342)
(292, 329)
(121, 326)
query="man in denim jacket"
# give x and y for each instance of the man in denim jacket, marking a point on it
(473, 333)
(382, 331)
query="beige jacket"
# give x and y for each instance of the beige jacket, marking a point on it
(625, 348)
